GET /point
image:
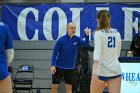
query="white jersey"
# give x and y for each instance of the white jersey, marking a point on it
(107, 51)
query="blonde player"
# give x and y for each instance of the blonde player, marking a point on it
(106, 67)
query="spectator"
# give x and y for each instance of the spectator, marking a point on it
(6, 57)
(129, 53)
(135, 44)
(82, 78)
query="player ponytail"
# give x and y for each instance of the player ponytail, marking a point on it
(103, 18)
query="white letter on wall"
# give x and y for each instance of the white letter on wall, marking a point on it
(128, 22)
(76, 18)
(47, 23)
(102, 8)
(21, 24)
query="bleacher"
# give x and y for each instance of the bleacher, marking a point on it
(37, 54)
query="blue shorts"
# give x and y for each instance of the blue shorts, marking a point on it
(107, 78)
(3, 70)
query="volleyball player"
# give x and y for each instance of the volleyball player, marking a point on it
(106, 67)
(6, 57)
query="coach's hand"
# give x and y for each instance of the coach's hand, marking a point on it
(87, 31)
(53, 70)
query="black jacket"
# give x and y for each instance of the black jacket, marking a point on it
(135, 46)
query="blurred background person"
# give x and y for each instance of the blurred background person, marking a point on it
(135, 44)
(129, 53)
(6, 57)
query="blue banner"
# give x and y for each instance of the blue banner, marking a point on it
(48, 21)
